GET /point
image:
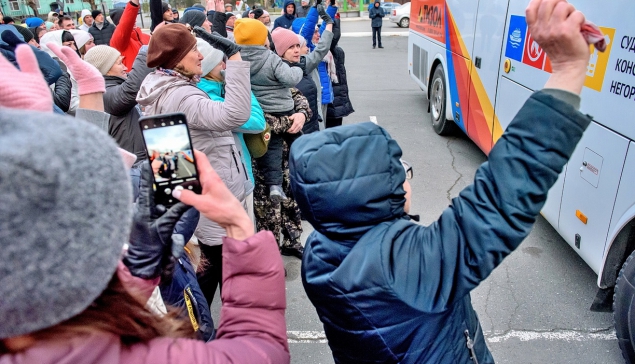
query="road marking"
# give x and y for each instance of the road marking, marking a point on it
(318, 337)
(304, 337)
(557, 335)
(369, 34)
(373, 119)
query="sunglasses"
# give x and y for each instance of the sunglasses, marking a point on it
(407, 168)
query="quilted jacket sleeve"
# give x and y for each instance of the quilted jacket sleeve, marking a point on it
(491, 217)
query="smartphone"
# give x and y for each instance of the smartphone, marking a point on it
(171, 156)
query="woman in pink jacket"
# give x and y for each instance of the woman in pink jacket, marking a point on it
(65, 294)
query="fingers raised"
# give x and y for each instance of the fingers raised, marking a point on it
(26, 59)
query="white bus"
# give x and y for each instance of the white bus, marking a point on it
(478, 64)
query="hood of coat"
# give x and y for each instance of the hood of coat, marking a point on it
(51, 37)
(257, 55)
(211, 87)
(348, 179)
(154, 85)
(284, 8)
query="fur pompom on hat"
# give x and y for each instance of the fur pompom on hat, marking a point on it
(169, 44)
(250, 32)
(62, 229)
(283, 40)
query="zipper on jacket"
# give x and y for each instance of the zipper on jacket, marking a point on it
(235, 161)
(242, 158)
(470, 346)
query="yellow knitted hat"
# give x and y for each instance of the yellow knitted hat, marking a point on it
(250, 32)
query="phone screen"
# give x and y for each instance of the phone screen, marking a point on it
(171, 155)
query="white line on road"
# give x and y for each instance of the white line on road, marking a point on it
(369, 34)
(557, 335)
(318, 337)
(373, 119)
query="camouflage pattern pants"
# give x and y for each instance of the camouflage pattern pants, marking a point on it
(283, 218)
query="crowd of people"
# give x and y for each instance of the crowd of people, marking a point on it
(93, 270)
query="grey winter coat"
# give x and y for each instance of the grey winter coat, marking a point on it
(103, 35)
(211, 124)
(120, 102)
(271, 78)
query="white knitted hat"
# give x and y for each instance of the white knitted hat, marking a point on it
(102, 57)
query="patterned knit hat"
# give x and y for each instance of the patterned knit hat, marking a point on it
(62, 229)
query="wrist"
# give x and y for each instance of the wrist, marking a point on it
(569, 77)
(241, 230)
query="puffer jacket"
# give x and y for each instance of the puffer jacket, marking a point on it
(103, 35)
(341, 105)
(252, 328)
(127, 37)
(285, 20)
(389, 290)
(271, 78)
(210, 123)
(306, 31)
(120, 102)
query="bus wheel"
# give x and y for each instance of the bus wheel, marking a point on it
(624, 309)
(441, 125)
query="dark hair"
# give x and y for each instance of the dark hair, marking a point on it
(60, 21)
(8, 19)
(120, 313)
(67, 37)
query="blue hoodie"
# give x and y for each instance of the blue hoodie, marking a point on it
(392, 291)
(285, 20)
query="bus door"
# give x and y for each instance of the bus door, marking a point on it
(482, 124)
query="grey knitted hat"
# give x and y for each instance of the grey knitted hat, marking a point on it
(65, 213)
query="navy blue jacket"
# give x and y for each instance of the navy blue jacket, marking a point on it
(376, 14)
(389, 290)
(285, 20)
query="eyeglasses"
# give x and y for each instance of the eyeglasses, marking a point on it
(407, 168)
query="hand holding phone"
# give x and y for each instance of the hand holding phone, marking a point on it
(170, 153)
(217, 202)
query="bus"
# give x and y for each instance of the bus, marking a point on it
(478, 64)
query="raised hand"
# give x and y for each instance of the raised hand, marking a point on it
(34, 93)
(217, 41)
(152, 243)
(326, 18)
(89, 80)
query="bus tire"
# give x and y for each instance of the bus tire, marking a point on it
(440, 124)
(624, 309)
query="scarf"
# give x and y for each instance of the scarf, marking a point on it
(194, 80)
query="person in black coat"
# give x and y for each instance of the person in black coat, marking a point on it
(341, 105)
(102, 29)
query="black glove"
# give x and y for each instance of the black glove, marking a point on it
(217, 41)
(317, 2)
(325, 17)
(332, 2)
(152, 243)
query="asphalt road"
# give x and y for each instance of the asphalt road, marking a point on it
(534, 308)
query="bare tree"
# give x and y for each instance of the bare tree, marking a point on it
(93, 5)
